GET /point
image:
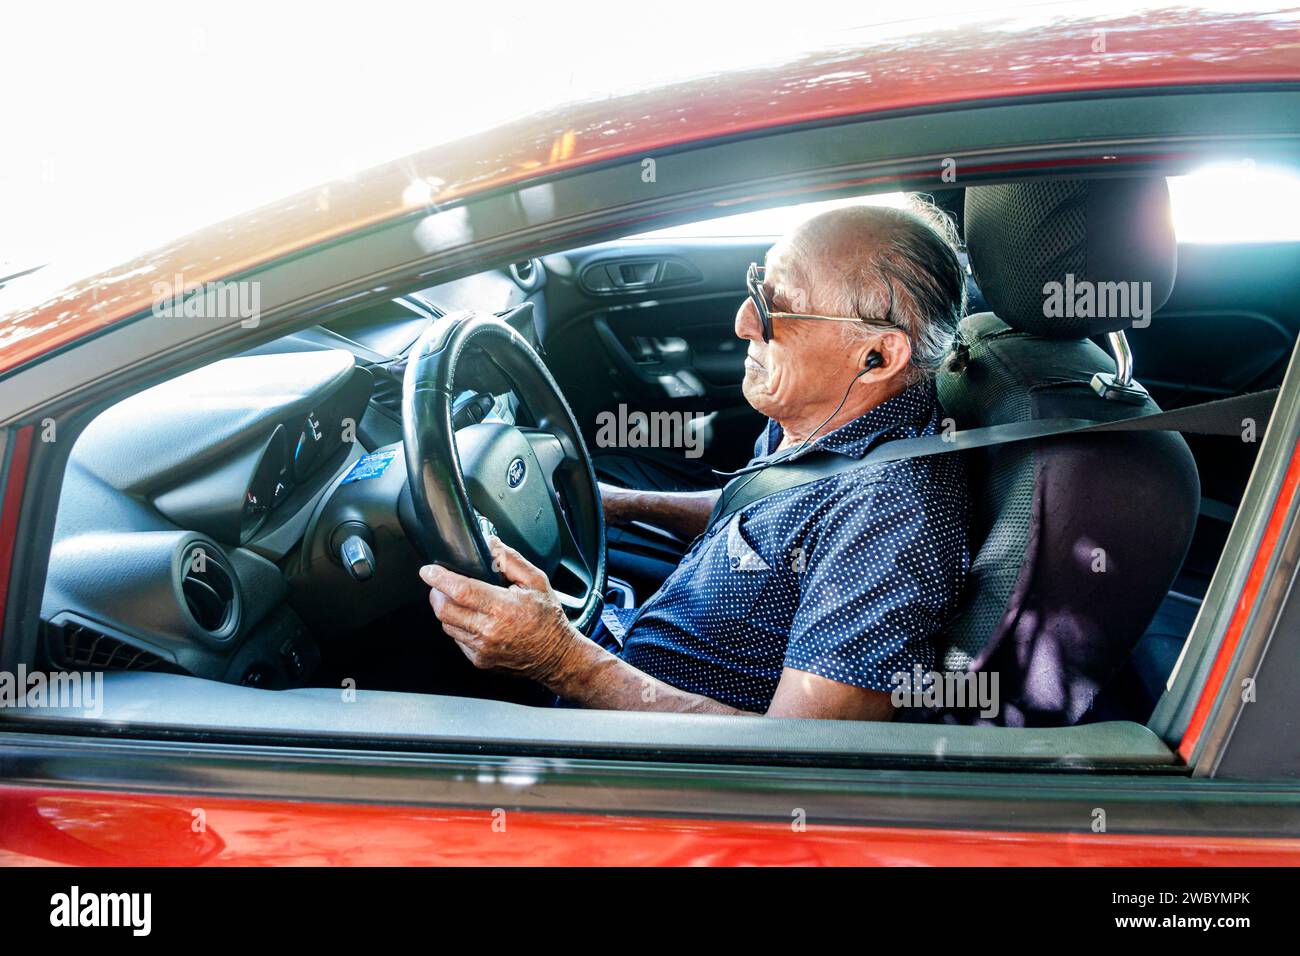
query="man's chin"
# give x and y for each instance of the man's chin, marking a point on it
(754, 389)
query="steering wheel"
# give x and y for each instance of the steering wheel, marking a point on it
(533, 487)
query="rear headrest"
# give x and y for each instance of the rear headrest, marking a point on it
(1078, 233)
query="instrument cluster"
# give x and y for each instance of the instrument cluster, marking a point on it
(291, 456)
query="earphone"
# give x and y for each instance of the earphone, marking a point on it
(874, 360)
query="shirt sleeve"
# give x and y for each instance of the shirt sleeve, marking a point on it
(874, 588)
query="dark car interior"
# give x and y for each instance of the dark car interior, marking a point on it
(251, 522)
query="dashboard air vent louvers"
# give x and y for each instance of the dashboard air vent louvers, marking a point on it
(85, 648)
(208, 588)
(523, 271)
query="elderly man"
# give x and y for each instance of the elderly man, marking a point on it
(807, 602)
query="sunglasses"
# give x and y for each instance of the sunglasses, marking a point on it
(754, 280)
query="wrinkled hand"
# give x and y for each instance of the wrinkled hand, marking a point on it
(520, 629)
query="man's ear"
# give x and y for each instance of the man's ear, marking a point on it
(894, 351)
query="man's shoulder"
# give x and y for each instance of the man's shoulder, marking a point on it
(921, 477)
(938, 491)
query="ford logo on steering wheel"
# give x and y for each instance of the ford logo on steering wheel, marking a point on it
(515, 473)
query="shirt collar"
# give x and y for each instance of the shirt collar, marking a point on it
(906, 415)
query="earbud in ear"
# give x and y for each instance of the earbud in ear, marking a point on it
(874, 360)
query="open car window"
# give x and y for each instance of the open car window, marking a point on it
(1220, 203)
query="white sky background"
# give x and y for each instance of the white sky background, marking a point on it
(125, 125)
(129, 124)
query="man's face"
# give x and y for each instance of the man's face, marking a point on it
(807, 364)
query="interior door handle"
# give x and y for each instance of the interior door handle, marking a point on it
(634, 275)
(630, 275)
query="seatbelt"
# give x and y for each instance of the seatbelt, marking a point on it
(1222, 417)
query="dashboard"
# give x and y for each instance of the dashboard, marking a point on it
(182, 506)
(190, 535)
(224, 449)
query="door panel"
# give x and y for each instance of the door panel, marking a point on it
(1227, 329)
(651, 326)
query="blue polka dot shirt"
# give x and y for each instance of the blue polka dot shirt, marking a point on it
(848, 577)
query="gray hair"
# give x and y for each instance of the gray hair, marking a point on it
(902, 264)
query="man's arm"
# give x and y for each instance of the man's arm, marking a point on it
(591, 676)
(683, 512)
(595, 678)
(522, 630)
(801, 694)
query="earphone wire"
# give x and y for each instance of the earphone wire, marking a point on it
(758, 469)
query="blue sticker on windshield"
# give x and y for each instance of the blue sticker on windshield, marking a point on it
(372, 466)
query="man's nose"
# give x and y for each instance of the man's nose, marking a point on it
(748, 325)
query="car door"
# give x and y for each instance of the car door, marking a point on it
(649, 324)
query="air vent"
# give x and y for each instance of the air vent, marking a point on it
(85, 648)
(208, 588)
(527, 274)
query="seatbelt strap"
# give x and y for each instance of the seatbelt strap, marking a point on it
(1226, 416)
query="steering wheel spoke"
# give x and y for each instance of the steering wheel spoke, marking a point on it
(548, 449)
(572, 560)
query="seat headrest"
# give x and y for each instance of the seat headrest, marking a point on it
(1079, 233)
